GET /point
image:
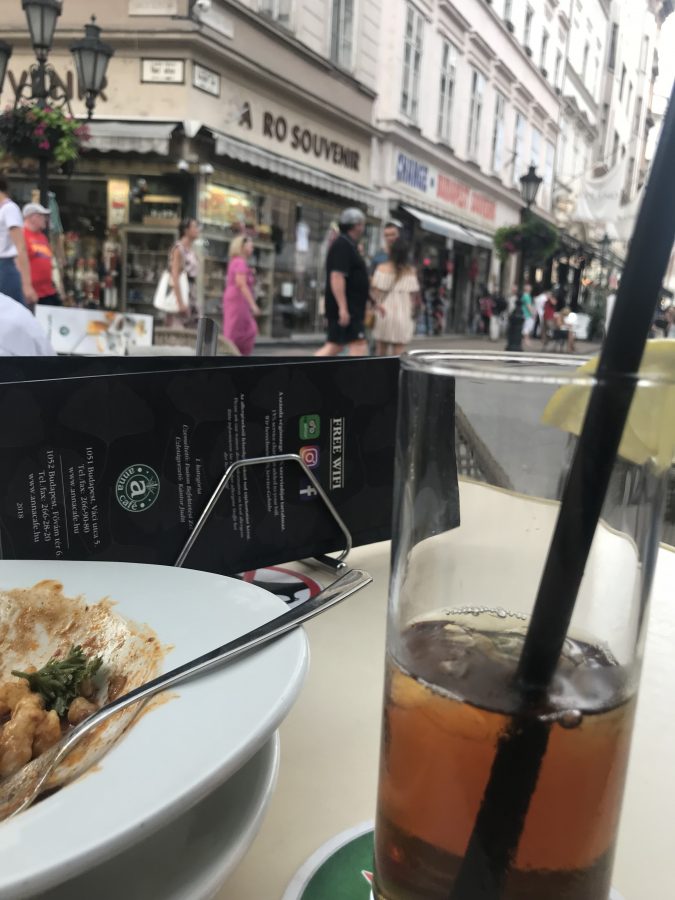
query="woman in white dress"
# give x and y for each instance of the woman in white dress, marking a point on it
(396, 292)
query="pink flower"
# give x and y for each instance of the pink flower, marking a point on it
(44, 145)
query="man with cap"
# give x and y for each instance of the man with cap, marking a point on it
(40, 255)
(347, 288)
(390, 233)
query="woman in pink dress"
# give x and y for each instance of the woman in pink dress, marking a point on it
(239, 306)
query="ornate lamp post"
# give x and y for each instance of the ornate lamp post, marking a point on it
(529, 186)
(44, 87)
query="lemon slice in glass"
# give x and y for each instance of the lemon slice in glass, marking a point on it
(650, 430)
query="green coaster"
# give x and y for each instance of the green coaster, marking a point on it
(342, 869)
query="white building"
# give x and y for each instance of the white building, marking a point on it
(586, 30)
(605, 121)
(466, 102)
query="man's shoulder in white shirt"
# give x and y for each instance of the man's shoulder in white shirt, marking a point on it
(20, 333)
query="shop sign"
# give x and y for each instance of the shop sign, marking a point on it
(206, 80)
(421, 177)
(118, 201)
(311, 142)
(153, 7)
(163, 71)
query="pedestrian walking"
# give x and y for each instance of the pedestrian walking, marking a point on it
(14, 269)
(527, 308)
(548, 319)
(40, 255)
(397, 295)
(539, 303)
(347, 289)
(183, 260)
(391, 232)
(240, 309)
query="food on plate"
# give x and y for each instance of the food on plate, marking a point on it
(61, 659)
(39, 705)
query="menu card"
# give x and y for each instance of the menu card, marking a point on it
(119, 467)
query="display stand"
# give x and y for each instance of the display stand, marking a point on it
(334, 564)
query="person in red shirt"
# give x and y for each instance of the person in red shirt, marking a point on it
(40, 255)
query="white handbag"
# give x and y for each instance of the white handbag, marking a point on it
(165, 297)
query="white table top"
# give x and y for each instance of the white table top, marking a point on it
(330, 746)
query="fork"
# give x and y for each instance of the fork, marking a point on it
(18, 791)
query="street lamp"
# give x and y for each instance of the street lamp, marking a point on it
(44, 87)
(529, 186)
(42, 16)
(91, 57)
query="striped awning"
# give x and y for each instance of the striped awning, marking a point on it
(295, 171)
(130, 137)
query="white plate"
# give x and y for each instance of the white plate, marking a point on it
(191, 858)
(178, 752)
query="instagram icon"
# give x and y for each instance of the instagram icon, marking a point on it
(310, 456)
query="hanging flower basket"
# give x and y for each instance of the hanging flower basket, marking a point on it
(539, 239)
(31, 132)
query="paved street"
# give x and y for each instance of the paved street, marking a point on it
(305, 345)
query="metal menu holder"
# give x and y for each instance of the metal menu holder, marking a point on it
(207, 346)
(335, 564)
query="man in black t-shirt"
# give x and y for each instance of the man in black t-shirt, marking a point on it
(347, 288)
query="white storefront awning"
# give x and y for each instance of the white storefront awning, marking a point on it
(482, 240)
(436, 225)
(130, 137)
(288, 168)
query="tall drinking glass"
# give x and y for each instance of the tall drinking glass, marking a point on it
(483, 447)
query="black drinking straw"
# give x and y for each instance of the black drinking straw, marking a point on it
(513, 779)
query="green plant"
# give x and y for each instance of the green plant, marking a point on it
(33, 131)
(539, 239)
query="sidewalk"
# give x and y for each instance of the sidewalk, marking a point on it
(306, 344)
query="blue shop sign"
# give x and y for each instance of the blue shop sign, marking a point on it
(413, 173)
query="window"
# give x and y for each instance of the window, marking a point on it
(584, 64)
(448, 71)
(342, 33)
(279, 10)
(548, 174)
(498, 134)
(508, 10)
(596, 75)
(576, 171)
(638, 116)
(544, 49)
(475, 112)
(527, 33)
(518, 142)
(613, 40)
(615, 149)
(644, 53)
(564, 128)
(628, 184)
(535, 148)
(558, 67)
(629, 97)
(622, 85)
(412, 63)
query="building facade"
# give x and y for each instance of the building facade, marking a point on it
(251, 116)
(605, 120)
(466, 102)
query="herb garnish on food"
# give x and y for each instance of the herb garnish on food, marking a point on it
(59, 680)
